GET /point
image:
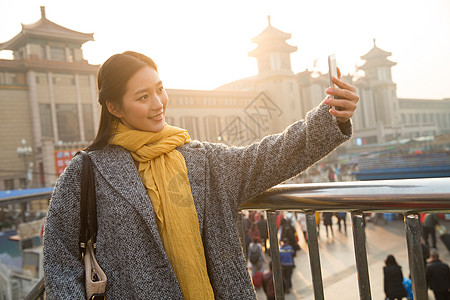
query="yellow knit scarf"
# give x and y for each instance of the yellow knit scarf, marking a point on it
(164, 174)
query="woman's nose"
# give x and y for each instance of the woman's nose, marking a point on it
(157, 103)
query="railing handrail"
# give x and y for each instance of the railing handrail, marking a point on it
(409, 196)
(403, 196)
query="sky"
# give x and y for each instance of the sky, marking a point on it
(203, 44)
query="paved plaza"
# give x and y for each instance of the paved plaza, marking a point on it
(338, 261)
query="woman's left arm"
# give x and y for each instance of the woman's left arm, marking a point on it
(243, 172)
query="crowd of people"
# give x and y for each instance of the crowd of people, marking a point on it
(396, 285)
(258, 248)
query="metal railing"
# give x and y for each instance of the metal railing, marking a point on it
(408, 197)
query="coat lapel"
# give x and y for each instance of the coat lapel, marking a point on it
(116, 166)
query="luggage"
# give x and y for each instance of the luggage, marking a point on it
(445, 238)
(258, 279)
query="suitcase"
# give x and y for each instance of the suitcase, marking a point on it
(258, 279)
(445, 238)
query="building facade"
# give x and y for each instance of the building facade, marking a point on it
(48, 98)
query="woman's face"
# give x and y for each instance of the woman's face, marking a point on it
(145, 102)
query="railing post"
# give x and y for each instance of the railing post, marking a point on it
(359, 240)
(415, 256)
(314, 257)
(275, 253)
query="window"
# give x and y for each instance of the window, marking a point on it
(213, 130)
(190, 124)
(43, 52)
(9, 184)
(71, 57)
(22, 183)
(46, 120)
(67, 118)
(88, 121)
(58, 53)
(63, 79)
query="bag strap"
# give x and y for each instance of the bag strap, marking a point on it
(88, 204)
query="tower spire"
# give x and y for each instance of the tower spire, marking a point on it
(43, 12)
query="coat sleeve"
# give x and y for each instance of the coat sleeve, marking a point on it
(246, 171)
(64, 272)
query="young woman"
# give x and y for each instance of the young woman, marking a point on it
(166, 205)
(393, 279)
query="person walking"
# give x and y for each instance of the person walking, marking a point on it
(301, 219)
(255, 256)
(438, 276)
(429, 229)
(342, 218)
(317, 216)
(268, 286)
(254, 234)
(263, 232)
(167, 206)
(287, 264)
(288, 232)
(393, 279)
(328, 222)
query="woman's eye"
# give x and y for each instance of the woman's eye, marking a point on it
(143, 97)
(161, 89)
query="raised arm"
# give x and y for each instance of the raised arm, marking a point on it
(242, 172)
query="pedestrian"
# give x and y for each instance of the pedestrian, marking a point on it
(287, 264)
(328, 222)
(246, 223)
(342, 218)
(263, 232)
(429, 229)
(425, 253)
(317, 216)
(167, 206)
(255, 256)
(288, 232)
(393, 279)
(438, 276)
(301, 219)
(268, 286)
(253, 232)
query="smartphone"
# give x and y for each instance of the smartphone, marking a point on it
(332, 71)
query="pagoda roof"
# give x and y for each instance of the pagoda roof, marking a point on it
(376, 57)
(271, 40)
(46, 29)
(375, 52)
(270, 33)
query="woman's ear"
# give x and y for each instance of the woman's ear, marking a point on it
(114, 109)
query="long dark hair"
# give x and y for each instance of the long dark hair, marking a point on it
(390, 261)
(112, 79)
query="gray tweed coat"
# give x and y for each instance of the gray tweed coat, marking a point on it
(129, 247)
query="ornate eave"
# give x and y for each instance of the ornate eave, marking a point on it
(376, 57)
(48, 65)
(272, 47)
(375, 52)
(46, 29)
(271, 40)
(270, 33)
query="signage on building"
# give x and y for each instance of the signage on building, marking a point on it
(62, 159)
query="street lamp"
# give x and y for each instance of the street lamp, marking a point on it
(24, 152)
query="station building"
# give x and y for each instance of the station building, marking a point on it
(48, 100)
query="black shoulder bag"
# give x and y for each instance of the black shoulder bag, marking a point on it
(95, 281)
